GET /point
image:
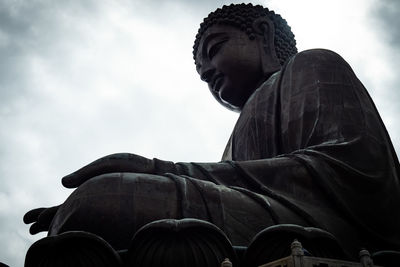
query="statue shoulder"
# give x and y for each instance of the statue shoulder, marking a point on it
(318, 57)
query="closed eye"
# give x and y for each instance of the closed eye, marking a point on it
(215, 48)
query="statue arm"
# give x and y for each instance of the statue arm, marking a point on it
(252, 174)
(119, 162)
(277, 173)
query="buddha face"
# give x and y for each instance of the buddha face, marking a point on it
(230, 63)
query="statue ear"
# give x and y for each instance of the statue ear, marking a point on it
(265, 30)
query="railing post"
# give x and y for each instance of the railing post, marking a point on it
(297, 253)
(226, 263)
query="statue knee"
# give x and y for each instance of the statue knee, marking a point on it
(117, 201)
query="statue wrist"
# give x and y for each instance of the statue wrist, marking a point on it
(163, 166)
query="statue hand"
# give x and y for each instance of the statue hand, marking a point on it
(120, 162)
(41, 219)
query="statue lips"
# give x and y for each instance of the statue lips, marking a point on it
(216, 82)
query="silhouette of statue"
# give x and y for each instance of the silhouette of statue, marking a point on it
(309, 149)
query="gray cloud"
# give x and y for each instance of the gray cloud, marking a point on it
(387, 13)
(385, 21)
(27, 31)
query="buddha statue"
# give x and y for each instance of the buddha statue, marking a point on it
(309, 150)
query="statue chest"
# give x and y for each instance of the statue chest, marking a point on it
(257, 132)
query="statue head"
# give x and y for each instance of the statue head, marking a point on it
(238, 47)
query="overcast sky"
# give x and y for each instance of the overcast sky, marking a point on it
(83, 79)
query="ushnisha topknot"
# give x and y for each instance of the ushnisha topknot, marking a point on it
(242, 16)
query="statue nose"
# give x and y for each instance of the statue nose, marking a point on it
(207, 75)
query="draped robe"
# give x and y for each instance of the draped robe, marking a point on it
(309, 148)
(317, 113)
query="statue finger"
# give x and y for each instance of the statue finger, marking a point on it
(37, 228)
(32, 215)
(47, 216)
(121, 162)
